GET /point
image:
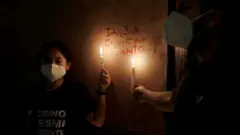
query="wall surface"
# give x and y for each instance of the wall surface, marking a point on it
(121, 27)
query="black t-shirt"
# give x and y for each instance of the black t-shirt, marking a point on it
(192, 110)
(61, 112)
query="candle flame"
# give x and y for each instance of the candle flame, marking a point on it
(101, 52)
(133, 62)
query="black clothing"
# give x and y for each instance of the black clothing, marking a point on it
(191, 113)
(61, 112)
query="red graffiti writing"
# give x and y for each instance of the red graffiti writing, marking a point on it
(127, 30)
(108, 42)
(137, 41)
(131, 50)
(132, 29)
(125, 41)
(111, 32)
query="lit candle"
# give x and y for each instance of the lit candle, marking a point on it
(101, 57)
(133, 73)
(133, 66)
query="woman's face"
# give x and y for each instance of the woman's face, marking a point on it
(54, 56)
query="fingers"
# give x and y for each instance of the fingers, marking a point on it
(137, 91)
(104, 71)
(135, 86)
(139, 88)
(140, 97)
(105, 78)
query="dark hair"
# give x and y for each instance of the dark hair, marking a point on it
(206, 5)
(58, 45)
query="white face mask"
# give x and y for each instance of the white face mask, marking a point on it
(178, 30)
(53, 72)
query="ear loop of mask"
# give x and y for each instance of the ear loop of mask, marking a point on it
(202, 15)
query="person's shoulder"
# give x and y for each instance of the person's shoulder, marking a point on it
(31, 100)
(76, 87)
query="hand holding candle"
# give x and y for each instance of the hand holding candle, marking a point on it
(101, 58)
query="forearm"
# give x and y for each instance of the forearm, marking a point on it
(159, 97)
(98, 117)
(161, 100)
(166, 107)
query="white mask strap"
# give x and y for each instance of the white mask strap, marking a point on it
(200, 16)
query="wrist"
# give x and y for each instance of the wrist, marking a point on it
(101, 91)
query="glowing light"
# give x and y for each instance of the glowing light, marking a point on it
(132, 83)
(133, 62)
(101, 57)
(101, 52)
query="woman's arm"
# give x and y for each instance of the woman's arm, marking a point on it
(166, 102)
(159, 97)
(160, 100)
(97, 118)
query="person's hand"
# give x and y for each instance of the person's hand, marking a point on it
(141, 93)
(105, 79)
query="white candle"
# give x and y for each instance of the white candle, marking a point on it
(133, 73)
(101, 57)
(133, 66)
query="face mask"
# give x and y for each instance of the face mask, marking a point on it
(53, 72)
(179, 30)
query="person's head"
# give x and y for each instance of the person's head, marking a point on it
(195, 26)
(55, 60)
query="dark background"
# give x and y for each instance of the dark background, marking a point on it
(28, 24)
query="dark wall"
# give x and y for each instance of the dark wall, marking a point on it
(82, 25)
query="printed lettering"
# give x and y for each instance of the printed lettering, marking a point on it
(62, 113)
(51, 132)
(45, 113)
(41, 122)
(51, 123)
(52, 113)
(56, 123)
(63, 123)
(29, 112)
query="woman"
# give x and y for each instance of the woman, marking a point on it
(190, 100)
(64, 108)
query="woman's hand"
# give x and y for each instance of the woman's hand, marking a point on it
(141, 93)
(160, 100)
(105, 79)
